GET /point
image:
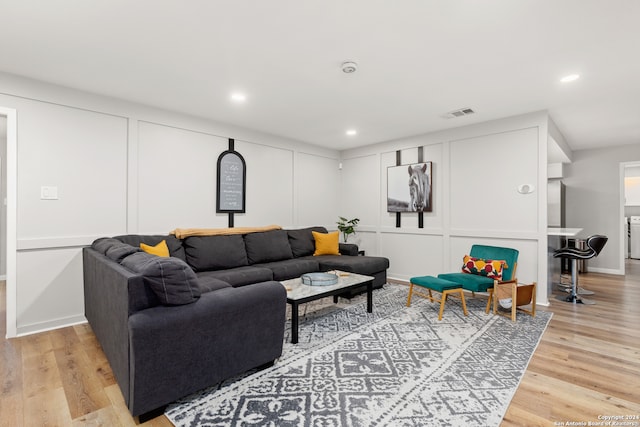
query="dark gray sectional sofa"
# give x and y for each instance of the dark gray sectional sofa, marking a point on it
(214, 309)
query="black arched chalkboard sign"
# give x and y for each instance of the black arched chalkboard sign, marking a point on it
(231, 185)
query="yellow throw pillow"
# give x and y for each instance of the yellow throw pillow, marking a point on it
(161, 249)
(326, 243)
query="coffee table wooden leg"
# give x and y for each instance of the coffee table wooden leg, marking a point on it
(370, 297)
(294, 323)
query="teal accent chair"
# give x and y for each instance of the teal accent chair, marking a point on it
(476, 283)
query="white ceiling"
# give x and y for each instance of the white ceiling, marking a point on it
(418, 59)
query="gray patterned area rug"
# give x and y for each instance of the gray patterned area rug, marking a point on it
(397, 366)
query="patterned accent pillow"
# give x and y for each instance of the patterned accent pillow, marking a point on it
(483, 267)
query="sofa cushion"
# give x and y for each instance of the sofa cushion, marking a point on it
(239, 276)
(215, 252)
(469, 282)
(171, 279)
(326, 243)
(348, 249)
(267, 247)
(174, 245)
(210, 284)
(367, 265)
(161, 249)
(291, 268)
(119, 251)
(102, 244)
(301, 241)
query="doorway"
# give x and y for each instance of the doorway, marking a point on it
(630, 209)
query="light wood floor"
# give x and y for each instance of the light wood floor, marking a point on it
(587, 365)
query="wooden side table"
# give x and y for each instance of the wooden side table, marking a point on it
(521, 294)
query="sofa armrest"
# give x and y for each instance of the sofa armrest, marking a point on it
(176, 351)
(348, 249)
(106, 306)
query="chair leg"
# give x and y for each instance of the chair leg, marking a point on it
(464, 304)
(410, 294)
(514, 299)
(573, 295)
(489, 301)
(442, 301)
(533, 299)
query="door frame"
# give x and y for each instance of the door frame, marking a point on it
(12, 197)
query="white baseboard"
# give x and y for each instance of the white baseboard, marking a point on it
(50, 325)
(613, 271)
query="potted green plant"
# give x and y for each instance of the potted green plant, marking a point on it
(347, 226)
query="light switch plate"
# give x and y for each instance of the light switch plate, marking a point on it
(48, 193)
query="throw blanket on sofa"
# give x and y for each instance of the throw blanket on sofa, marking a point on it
(182, 233)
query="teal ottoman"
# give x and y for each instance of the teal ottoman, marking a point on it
(444, 287)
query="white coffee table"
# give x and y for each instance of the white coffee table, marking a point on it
(298, 293)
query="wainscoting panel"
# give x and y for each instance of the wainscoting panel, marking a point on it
(486, 173)
(50, 295)
(318, 189)
(177, 178)
(83, 155)
(360, 188)
(269, 185)
(412, 254)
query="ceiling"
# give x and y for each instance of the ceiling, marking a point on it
(418, 59)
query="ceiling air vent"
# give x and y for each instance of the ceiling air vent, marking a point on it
(458, 113)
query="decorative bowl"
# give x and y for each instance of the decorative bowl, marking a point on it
(319, 279)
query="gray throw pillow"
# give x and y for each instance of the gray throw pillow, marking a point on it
(171, 279)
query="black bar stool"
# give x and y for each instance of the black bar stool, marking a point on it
(595, 244)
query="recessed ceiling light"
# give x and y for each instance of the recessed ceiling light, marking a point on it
(570, 78)
(351, 132)
(238, 97)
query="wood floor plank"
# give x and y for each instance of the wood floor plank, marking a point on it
(47, 408)
(105, 417)
(11, 410)
(10, 368)
(119, 408)
(83, 388)
(518, 417)
(39, 370)
(84, 391)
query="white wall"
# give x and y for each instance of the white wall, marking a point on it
(594, 198)
(125, 168)
(476, 173)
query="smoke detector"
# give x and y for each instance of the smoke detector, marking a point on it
(349, 67)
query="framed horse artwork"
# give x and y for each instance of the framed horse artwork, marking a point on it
(409, 188)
